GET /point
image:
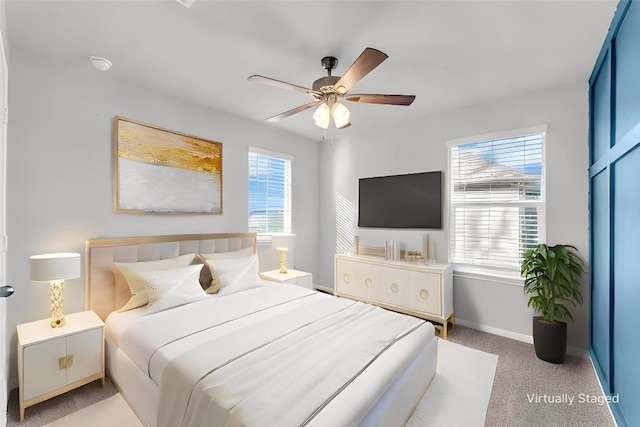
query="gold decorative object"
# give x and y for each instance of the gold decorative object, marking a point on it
(283, 242)
(57, 293)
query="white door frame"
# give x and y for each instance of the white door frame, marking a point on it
(4, 367)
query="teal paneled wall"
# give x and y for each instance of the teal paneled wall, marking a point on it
(601, 111)
(600, 273)
(627, 73)
(626, 250)
(615, 213)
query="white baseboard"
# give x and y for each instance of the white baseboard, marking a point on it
(574, 351)
(495, 331)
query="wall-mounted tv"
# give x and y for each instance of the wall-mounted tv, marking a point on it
(401, 201)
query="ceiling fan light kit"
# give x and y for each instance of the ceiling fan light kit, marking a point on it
(328, 90)
(322, 116)
(341, 115)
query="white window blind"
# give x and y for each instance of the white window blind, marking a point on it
(269, 192)
(496, 199)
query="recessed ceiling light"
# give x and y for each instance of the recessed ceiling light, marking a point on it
(101, 64)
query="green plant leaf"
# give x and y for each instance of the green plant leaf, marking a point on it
(552, 280)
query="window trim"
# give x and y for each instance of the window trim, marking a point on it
(471, 270)
(265, 238)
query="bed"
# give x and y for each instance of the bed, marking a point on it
(250, 352)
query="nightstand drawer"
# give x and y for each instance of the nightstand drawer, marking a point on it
(53, 364)
(86, 352)
(43, 374)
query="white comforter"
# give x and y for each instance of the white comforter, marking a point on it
(270, 356)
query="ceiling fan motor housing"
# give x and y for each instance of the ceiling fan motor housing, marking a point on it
(325, 81)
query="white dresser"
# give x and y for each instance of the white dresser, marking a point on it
(424, 291)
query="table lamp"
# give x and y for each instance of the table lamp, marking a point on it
(283, 242)
(54, 269)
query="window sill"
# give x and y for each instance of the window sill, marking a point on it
(488, 274)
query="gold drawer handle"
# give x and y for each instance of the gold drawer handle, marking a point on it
(345, 278)
(424, 294)
(368, 283)
(65, 362)
(394, 288)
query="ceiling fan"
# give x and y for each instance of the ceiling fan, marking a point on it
(329, 90)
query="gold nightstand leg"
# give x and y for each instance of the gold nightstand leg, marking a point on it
(22, 412)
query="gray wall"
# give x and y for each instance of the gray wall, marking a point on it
(60, 168)
(487, 303)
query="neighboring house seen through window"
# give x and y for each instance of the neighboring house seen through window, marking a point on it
(496, 198)
(269, 192)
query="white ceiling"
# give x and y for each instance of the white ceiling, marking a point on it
(449, 54)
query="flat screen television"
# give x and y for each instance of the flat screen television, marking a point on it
(401, 201)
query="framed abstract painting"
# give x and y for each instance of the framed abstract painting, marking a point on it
(162, 171)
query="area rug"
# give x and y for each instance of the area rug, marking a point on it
(460, 392)
(110, 412)
(458, 396)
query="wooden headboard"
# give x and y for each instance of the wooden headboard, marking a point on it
(100, 292)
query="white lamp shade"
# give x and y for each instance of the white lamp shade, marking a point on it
(283, 241)
(322, 116)
(340, 114)
(48, 267)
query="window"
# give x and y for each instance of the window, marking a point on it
(496, 198)
(269, 192)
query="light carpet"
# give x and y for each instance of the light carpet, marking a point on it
(458, 396)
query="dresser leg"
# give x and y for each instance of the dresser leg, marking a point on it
(22, 412)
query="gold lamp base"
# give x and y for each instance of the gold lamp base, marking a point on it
(283, 262)
(57, 291)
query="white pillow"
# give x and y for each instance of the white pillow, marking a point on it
(235, 271)
(127, 279)
(172, 288)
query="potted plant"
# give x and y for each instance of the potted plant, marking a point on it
(552, 276)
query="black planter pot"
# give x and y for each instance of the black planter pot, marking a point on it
(550, 339)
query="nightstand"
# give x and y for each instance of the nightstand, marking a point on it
(300, 278)
(52, 361)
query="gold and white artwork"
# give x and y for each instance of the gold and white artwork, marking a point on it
(162, 171)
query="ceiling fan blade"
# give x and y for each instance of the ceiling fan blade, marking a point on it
(278, 83)
(368, 60)
(292, 112)
(381, 99)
